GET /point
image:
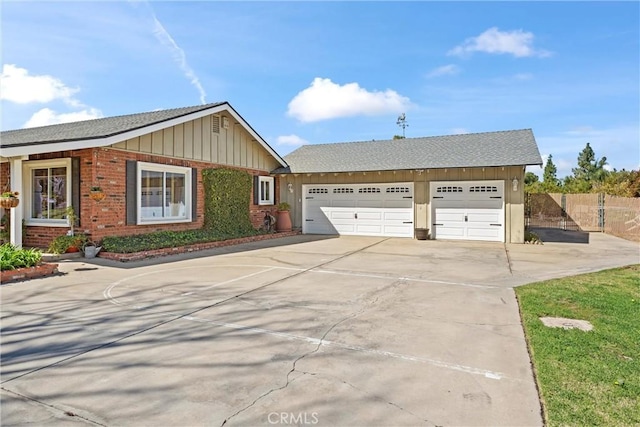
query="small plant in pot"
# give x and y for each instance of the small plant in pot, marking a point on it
(67, 244)
(9, 199)
(97, 194)
(284, 217)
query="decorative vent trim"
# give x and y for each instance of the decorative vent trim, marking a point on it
(483, 189)
(369, 190)
(449, 189)
(318, 191)
(342, 190)
(215, 124)
(398, 190)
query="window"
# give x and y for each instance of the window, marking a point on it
(48, 185)
(318, 191)
(266, 190)
(164, 193)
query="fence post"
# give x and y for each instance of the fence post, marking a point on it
(601, 211)
(563, 205)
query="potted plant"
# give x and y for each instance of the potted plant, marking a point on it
(284, 218)
(67, 244)
(9, 199)
(96, 193)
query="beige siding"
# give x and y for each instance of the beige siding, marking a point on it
(514, 201)
(195, 140)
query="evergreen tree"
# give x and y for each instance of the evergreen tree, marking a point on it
(590, 168)
(550, 171)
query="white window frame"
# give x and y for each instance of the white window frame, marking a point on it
(28, 193)
(157, 167)
(272, 189)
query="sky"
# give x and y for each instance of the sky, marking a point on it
(324, 72)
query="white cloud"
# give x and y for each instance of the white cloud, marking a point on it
(46, 116)
(18, 86)
(445, 70)
(517, 43)
(178, 56)
(291, 140)
(327, 100)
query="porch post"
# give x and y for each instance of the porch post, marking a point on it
(17, 213)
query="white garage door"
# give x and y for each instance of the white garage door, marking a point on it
(358, 209)
(468, 210)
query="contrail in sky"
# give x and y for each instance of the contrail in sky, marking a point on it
(177, 52)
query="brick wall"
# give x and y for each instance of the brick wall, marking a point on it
(106, 167)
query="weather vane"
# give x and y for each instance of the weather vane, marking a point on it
(402, 122)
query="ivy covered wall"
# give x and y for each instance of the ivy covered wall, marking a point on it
(227, 195)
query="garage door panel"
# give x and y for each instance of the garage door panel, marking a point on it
(450, 215)
(404, 215)
(340, 214)
(483, 217)
(484, 232)
(448, 232)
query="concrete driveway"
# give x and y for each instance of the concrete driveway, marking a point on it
(295, 331)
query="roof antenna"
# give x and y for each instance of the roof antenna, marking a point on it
(402, 122)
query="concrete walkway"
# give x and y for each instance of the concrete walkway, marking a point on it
(303, 331)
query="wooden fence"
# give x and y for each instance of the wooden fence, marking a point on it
(619, 216)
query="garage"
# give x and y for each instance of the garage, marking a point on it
(468, 210)
(359, 209)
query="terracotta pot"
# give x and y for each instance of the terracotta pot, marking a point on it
(284, 221)
(9, 202)
(72, 249)
(97, 195)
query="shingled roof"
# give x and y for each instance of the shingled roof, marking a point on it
(93, 129)
(110, 130)
(504, 148)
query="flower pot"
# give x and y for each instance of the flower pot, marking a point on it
(9, 202)
(72, 249)
(97, 195)
(284, 221)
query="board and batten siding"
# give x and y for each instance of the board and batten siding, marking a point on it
(195, 140)
(514, 200)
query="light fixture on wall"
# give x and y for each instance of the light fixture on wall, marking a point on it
(514, 183)
(290, 187)
(225, 122)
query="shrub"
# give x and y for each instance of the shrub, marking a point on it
(167, 239)
(12, 258)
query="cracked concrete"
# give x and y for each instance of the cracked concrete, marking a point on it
(343, 331)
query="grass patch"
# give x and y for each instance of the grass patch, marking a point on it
(168, 239)
(587, 378)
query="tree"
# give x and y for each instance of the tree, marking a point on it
(550, 181)
(530, 178)
(590, 168)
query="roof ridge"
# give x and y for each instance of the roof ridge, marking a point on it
(415, 138)
(204, 106)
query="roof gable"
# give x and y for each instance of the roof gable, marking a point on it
(110, 130)
(504, 148)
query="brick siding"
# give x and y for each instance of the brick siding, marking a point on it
(106, 167)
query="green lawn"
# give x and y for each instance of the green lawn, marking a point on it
(587, 378)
